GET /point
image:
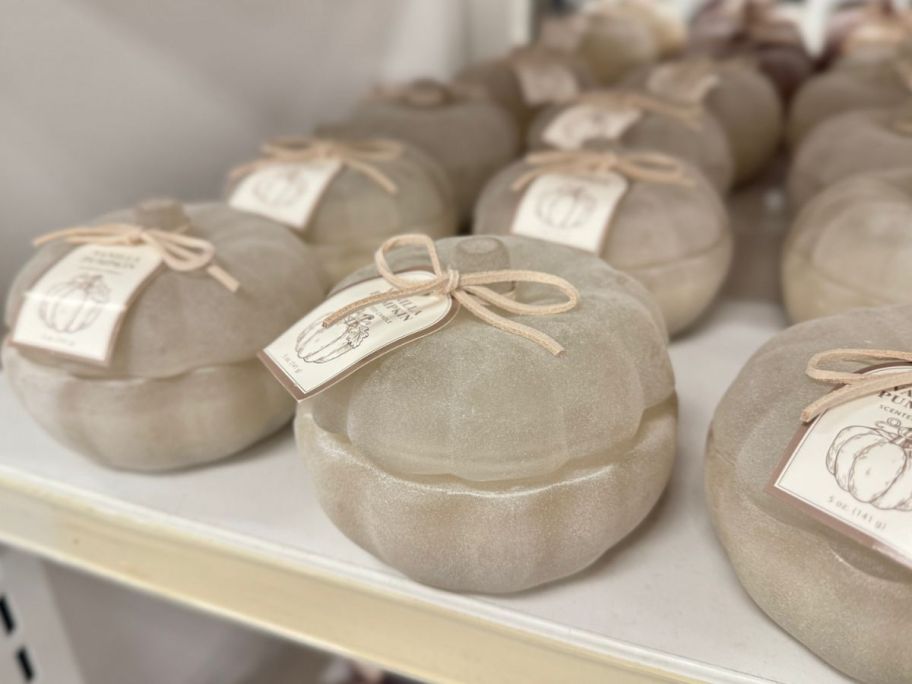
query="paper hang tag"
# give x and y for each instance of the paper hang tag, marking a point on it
(573, 127)
(570, 210)
(77, 307)
(680, 83)
(287, 193)
(851, 469)
(545, 82)
(308, 358)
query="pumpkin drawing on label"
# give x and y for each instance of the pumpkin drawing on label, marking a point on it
(317, 344)
(74, 305)
(566, 207)
(280, 187)
(874, 464)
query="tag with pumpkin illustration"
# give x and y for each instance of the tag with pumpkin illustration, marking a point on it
(310, 357)
(76, 307)
(287, 193)
(851, 469)
(571, 210)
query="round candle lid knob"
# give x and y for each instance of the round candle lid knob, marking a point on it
(481, 253)
(163, 213)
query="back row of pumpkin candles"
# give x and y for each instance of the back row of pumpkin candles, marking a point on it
(134, 340)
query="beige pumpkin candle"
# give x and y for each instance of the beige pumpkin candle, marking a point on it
(639, 120)
(850, 247)
(343, 197)
(504, 450)
(734, 91)
(468, 134)
(615, 37)
(818, 565)
(649, 215)
(855, 142)
(883, 83)
(528, 79)
(757, 30)
(180, 384)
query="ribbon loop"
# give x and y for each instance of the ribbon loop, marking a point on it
(651, 167)
(469, 289)
(359, 155)
(854, 385)
(178, 251)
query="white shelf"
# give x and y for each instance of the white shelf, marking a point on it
(247, 539)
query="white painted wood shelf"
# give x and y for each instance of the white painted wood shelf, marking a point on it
(247, 540)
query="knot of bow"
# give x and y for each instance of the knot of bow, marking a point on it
(359, 155)
(651, 167)
(854, 384)
(469, 289)
(178, 251)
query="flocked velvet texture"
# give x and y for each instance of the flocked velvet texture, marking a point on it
(674, 239)
(858, 86)
(355, 215)
(497, 79)
(470, 138)
(848, 604)
(473, 460)
(844, 145)
(184, 385)
(706, 147)
(851, 247)
(748, 108)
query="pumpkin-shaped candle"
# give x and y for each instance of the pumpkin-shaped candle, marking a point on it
(473, 459)
(344, 197)
(812, 563)
(649, 215)
(182, 385)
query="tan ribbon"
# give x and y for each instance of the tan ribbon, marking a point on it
(689, 115)
(178, 251)
(469, 290)
(650, 167)
(359, 155)
(855, 385)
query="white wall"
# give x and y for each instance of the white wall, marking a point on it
(103, 102)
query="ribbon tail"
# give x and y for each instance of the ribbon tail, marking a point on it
(506, 325)
(228, 281)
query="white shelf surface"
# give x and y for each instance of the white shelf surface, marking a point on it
(665, 604)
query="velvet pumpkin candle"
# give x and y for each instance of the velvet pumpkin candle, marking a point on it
(182, 385)
(825, 584)
(759, 31)
(736, 93)
(615, 37)
(344, 197)
(880, 84)
(848, 144)
(850, 247)
(648, 215)
(473, 459)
